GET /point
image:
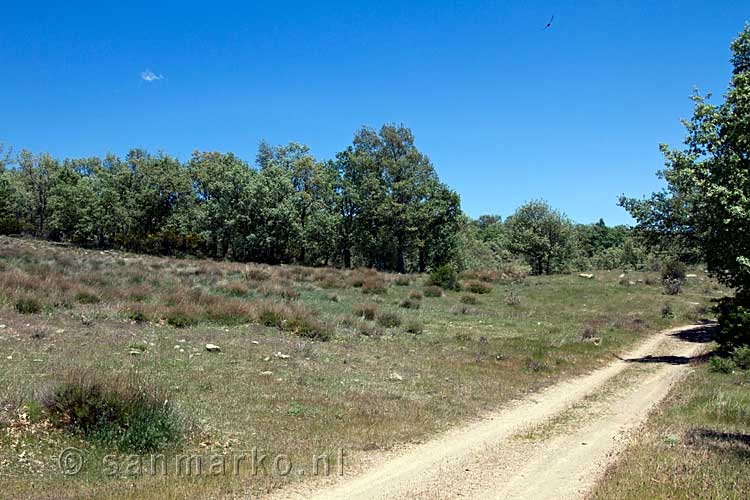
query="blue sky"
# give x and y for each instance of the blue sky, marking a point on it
(506, 111)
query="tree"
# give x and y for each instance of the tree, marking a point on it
(705, 209)
(543, 235)
(37, 174)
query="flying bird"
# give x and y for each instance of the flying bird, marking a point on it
(549, 23)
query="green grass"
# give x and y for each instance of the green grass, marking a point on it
(697, 445)
(298, 373)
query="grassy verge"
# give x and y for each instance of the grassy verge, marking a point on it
(697, 445)
(312, 361)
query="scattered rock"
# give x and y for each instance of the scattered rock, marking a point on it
(691, 275)
(266, 374)
(631, 283)
(254, 342)
(588, 276)
(621, 276)
(396, 376)
(134, 352)
(279, 355)
(213, 348)
(3, 327)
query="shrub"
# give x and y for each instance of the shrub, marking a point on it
(366, 311)
(414, 327)
(302, 323)
(389, 320)
(28, 305)
(721, 365)
(256, 274)
(402, 280)
(469, 299)
(433, 291)
(445, 277)
(85, 297)
(236, 289)
(123, 413)
(180, 319)
(370, 330)
(478, 287)
(512, 298)
(374, 286)
(136, 313)
(734, 321)
(741, 357)
(416, 295)
(268, 314)
(673, 277)
(409, 304)
(667, 312)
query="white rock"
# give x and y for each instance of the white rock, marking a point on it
(396, 376)
(134, 352)
(3, 327)
(621, 276)
(691, 275)
(279, 355)
(254, 342)
(213, 348)
(588, 276)
(266, 374)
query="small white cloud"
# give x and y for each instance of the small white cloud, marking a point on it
(150, 76)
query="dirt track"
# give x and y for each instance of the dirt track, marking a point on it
(552, 445)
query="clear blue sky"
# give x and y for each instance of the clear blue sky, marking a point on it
(506, 111)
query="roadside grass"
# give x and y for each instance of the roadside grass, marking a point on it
(298, 373)
(696, 445)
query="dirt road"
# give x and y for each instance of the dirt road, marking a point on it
(553, 445)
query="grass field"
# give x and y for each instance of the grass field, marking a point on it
(697, 445)
(312, 361)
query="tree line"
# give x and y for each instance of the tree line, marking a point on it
(378, 204)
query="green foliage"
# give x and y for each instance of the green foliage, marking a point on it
(477, 287)
(733, 314)
(704, 214)
(389, 320)
(741, 357)
(28, 305)
(433, 291)
(542, 235)
(722, 365)
(366, 311)
(122, 413)
(445, 277)
(414, 327)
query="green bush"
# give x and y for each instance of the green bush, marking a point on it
(478, 287)
(721, 365)
(28, 306)
(445, 277)
(389, 320)
(433, 291)
(741, 357)
(734, 322)
(415, 327)
(469, 299)
(85, 297)
(123, 413)
(673, 277)
(409, 304)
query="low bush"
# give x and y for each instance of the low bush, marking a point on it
(374, 286)
(86, 297)
(721, 365)
(469, 299)
(741, 357)
(123, 413)
(370, 330)
(414, 327)
(389, 320)
(402, 280)
(28, 305)
(416, 295)
(366, 311)
(667, 312)
(673, 277)
(733, 314)
(409, 304)
(478, 287)
(445, 277)
(433, 291)
(512, 298)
